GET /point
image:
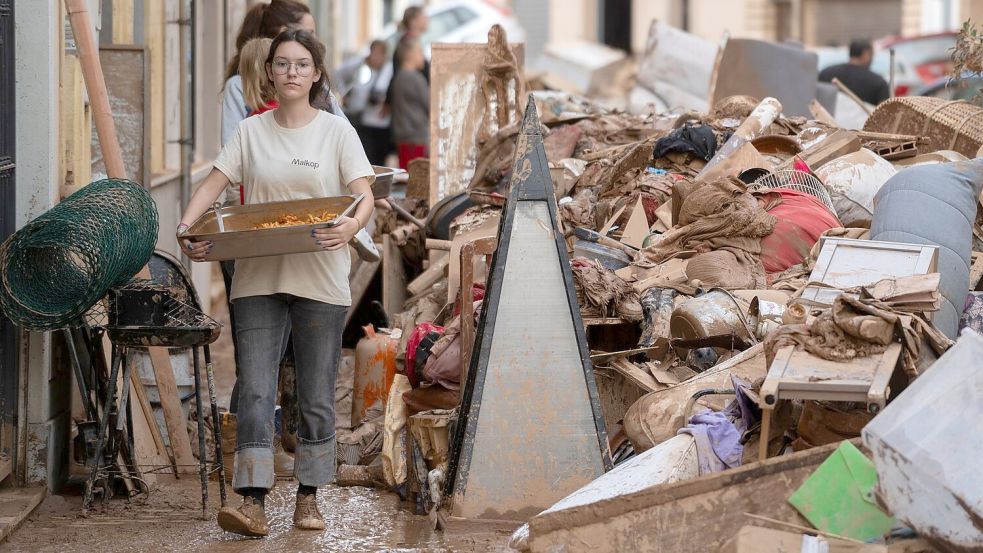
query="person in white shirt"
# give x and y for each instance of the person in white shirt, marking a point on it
(293, 152)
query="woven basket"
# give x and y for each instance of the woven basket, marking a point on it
(948, 125)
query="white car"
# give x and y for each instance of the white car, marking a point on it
(461, 21)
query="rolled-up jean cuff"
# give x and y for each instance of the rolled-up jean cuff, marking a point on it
(253, 468)
(314, 461)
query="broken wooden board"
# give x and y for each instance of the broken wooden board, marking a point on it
(457, 108)
(840, 143)
(531, 429)
(393, 276)
(129, 96)
(637, 227)
(693, 515)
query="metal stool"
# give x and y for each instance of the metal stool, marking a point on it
(145, 314)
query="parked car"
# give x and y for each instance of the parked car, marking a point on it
(928, 56)
(969, 87)
(462, 21)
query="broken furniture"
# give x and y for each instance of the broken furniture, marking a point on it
(529, 365)
(847, 263)
(143, 314)
(797, 374)
(926, 450)
(699, 514)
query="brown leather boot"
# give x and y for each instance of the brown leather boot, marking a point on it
(248, 520)
(306, 514)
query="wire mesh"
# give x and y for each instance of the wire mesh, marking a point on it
(63, 262)
(798, 181)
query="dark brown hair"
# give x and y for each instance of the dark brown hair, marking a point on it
(408, 16)
(313, 46)
(265, 20)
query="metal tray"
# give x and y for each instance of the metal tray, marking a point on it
(241, 240)
(383, 184)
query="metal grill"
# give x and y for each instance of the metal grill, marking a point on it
(798, 181)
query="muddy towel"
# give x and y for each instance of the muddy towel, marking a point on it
(725, 224)
(698, 140)
(600, 290)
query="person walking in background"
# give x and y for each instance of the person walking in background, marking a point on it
(366, 82)
(412, 27)
(857, 76)
(410, 103)
(293, 152)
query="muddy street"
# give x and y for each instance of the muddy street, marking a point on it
(358, 519)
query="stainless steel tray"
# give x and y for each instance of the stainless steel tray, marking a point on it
(240, 239)
(383, 184)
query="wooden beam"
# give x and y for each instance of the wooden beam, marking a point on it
(122, 21)
(393, 276)
(177, 427)
(428, 278)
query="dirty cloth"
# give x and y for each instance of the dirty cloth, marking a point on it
(718, 442)
(420, 331)
(698, 140)
(972, 316)
(724, 223)
(935, 205)
(800, 220)
(600, 290)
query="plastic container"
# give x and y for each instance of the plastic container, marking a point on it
(375, 367)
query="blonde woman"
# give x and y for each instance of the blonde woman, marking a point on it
(257, 88)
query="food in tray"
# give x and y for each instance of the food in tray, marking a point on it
(290, 220)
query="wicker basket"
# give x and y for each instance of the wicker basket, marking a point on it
(948, 125)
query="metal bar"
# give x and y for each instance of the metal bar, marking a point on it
(216, 425)
(202, 462)
(90, 410)
(103, 428)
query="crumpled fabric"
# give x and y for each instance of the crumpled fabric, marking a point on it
(718, 434)
(600, 290)
(698, 140)
(854, 328)
(724, 223)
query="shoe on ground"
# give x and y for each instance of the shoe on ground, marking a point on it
(248, 520)
(306, 514)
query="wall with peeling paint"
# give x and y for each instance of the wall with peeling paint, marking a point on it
(43, 405)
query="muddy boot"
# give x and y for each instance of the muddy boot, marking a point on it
(306, 514)
(248, 520)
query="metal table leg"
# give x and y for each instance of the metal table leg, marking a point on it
(202, 455)
(103, 428)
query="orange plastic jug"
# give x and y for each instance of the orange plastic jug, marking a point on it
(375, 367)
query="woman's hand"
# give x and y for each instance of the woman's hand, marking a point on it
(338, 236)
(195, 250)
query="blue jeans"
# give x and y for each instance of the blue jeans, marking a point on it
(261, 324)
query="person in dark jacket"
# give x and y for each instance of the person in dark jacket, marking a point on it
(857, 76)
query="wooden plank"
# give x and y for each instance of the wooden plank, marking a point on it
(129, 96)
(428, 278)
(821, 114)
(122, 21)
(700, 514)
(976, 271)
(840, 143)
(177, 428)
(636, 375)
(393, 276)
(457, 108)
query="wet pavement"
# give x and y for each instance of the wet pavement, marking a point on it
(358, 519)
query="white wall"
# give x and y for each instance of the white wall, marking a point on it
(44, 422)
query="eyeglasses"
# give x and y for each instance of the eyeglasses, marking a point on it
(303, 67)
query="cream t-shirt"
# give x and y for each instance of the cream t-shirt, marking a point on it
(277, 164)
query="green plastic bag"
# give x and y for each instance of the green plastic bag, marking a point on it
(839, 497)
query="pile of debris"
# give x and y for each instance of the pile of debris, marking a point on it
(752, 285)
